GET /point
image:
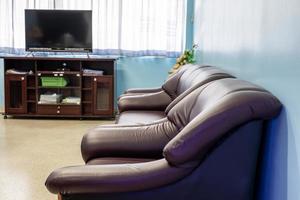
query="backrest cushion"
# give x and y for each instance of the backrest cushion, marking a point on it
(209, 112)
(171, 84)
(191, 75)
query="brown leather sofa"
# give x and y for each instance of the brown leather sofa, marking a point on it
(140, 106)
(206, 148)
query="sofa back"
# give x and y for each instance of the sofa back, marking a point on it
(192, 75)
(209, 112)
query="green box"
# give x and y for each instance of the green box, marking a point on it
(54, 82)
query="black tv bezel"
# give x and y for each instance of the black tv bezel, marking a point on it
(38, 49)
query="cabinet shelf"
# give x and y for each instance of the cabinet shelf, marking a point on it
(86, 89)
(58, 104)
(66, 88)
(86, 102)
(59, 72)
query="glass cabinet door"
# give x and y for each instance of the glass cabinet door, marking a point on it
(15, 101)
(103, 95)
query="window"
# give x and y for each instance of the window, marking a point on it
(120, 27)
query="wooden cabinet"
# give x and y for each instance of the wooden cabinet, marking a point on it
(23, 92)
(15, 94)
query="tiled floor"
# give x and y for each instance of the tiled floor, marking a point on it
(31, 149)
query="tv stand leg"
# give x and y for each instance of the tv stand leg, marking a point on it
(5, 117)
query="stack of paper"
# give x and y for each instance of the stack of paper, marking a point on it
(71, 100)
(50, 98)
(93, 72)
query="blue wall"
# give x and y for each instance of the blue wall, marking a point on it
(131, 72)
(260, 41)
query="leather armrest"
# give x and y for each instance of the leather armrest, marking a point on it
(143, 90)
(128, 141)
(114, 178)
(152, 101)
(139, 91)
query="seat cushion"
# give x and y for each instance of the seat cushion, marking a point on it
(137, 117)
(117, 160)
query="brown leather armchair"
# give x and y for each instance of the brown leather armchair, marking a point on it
(148, 105)
(133, 91)
(206, 147)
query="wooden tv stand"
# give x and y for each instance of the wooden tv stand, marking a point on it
(22, 91)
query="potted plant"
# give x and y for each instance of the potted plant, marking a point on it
(187, 57)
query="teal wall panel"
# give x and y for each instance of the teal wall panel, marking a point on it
(142, 72)
(189, 32)
(260, 41)
(1, 85)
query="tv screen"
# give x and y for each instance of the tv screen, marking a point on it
(58, 30)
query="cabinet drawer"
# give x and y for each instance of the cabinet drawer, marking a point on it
(47, 110)
(70, 110)
(58, 110)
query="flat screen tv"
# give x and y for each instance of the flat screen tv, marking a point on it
(58, 30)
